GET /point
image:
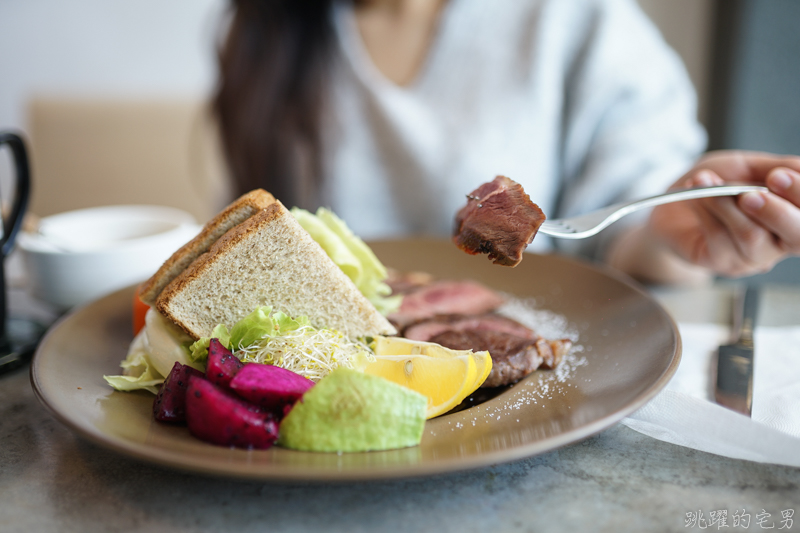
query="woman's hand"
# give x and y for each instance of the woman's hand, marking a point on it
(735, 236)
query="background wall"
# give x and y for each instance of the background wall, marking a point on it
(758, 74)
(156, 58)
(101, 48)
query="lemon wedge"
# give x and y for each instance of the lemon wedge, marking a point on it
(400, 346)
(483, 363)
(445, 376)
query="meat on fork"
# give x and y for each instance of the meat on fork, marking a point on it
(500, 220)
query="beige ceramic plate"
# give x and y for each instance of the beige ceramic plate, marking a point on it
(631, 347)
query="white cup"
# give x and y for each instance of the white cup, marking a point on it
(78, 256)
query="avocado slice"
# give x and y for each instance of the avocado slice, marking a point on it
(349, 411)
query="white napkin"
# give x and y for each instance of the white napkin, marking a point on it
(686, 414)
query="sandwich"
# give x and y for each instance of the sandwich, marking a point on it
(252, 263)
(233, 215)
(239, 263)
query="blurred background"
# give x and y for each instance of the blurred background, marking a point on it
(112, 95)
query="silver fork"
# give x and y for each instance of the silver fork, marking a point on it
(583, 226)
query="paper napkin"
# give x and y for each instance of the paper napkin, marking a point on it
(685, 412)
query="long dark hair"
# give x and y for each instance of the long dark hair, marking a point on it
(273, 73)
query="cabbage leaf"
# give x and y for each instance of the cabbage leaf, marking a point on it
(352, 255)
(138, 371)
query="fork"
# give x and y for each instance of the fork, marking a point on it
(582, 226)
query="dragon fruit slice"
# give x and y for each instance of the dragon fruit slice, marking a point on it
(270, 387)
(215, 415)
(170, 403)
(222, 365)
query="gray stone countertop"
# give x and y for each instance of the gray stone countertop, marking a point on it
(619, 480)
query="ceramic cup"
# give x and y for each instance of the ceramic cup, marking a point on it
(78, 256)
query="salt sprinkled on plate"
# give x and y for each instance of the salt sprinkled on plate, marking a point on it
(542, 385)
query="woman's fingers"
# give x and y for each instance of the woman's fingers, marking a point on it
(779, 212)
(743, 235)
(785, 183)
(762, 165)
(716, 250)
(745, 166)
(737, 244)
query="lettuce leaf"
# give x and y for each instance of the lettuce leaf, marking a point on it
(352, 255)
(198, 351)
(257, 325)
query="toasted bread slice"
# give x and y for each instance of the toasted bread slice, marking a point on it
(269, 259)
(233, 215)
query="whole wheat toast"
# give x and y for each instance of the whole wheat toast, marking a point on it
(237, 212)
(268, 259)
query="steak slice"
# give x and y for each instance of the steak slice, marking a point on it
(405, 282)
(500, 220)
(443, 298)
(513, 357)
(552, 351)
(427, 329)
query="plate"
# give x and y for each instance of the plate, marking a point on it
(630, 349)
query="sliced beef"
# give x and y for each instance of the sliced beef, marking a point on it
(513, 357)
(405, 282)
(552, 351)
(427, 329)
(500, 220)
(445, 297)
(459, 315)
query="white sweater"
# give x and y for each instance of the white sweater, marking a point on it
(580, 101)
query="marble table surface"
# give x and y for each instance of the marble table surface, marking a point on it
(618, 480)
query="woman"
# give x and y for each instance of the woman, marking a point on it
(389, 111)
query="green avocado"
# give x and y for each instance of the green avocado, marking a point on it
(349, 411)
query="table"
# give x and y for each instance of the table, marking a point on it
(619, 480)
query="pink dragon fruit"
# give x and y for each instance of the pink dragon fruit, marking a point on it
(222, 364)
(270, 387)
(170, 403)
(217, 416)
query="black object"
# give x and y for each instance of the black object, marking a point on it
(18, 336)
